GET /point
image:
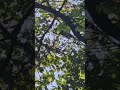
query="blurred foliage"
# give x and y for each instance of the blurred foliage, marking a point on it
(112, 10)
(103, 56)
(16, 45)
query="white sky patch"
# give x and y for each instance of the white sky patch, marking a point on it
(52, 85)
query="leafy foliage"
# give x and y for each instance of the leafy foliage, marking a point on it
(16, 45)
(59, 53)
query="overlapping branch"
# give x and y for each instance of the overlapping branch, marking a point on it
(13, 37)
(40, 41)
(101, 20)
(65, 18)
(17, 29)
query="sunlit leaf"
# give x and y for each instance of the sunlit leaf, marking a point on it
(49, 57)
(50, 79)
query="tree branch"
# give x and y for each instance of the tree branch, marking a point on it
(19, 25)
(40, 41)
(67, 19)
(101, 20)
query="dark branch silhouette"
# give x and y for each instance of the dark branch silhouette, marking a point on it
(17, 29)
(101, 20)
(66, 19)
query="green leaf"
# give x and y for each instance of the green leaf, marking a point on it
(82, 75)
(75, 13)
(58, 31)
(60, 27)
(50, 79)
(49, 57)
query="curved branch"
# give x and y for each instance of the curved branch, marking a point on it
(90, 23)
(66, 19)
(40, 41)
(102, 20)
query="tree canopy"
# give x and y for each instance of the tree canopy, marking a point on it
(74, 40)
(59, 31)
